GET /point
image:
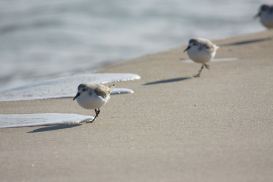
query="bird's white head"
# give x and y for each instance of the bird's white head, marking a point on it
(82, 90)
(192, 43)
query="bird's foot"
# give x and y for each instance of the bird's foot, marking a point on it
(196, 76)
(91, 120)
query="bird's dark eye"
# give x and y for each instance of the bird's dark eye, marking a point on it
(84, 89)
(264, 8)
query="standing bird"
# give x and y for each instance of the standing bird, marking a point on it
(93, 96)
(266, 15)
(201, 51)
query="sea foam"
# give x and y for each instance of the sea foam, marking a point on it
(41, 119)
(65, 86)
(215, 60)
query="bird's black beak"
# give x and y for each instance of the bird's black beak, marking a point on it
(77, 95)
(257, 15)
(187, 48)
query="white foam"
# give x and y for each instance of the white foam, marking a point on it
(215, 60)
(41, 119)
(117, 91)
(65, 86)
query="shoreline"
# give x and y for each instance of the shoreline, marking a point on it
(173, 128)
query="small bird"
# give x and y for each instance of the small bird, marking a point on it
(201, 51)
(93, 96)
(265, 14)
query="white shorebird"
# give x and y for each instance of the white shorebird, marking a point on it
(201, 51)
(93, 96)
(265, 14)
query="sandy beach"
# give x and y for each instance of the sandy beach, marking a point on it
(217, 128)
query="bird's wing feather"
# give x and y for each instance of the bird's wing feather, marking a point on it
(208, 45)
(102, 91)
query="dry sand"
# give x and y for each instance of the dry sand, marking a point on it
(217, 128)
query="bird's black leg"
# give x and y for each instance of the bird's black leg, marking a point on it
(207, 66)
(97, 111)
(199, 72)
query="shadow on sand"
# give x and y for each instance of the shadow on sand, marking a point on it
(168, 80)
(54, 127)
(244, 42)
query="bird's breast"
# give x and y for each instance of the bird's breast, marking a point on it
(200, 56)
(92, 102)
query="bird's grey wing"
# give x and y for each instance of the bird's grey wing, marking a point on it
(208, 46)
(102, 91)
(205, 44)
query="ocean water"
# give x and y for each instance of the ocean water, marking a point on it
(41, 119)
(65, 87)
(41, 40)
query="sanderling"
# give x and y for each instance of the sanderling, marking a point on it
(266, 15)
(201, 51)
(93, 96)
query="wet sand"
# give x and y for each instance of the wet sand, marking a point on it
(174, 128)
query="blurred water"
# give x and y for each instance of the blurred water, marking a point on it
(64, 87)
(44, 39)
